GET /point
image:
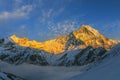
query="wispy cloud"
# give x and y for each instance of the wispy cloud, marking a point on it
(46, 15)
(19, 13)
(18, 1)
(49, 14)
(63, 27)
(56, 29)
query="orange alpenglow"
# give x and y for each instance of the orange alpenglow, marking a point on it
(79, 39)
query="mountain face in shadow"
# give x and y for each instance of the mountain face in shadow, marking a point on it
(79, 39)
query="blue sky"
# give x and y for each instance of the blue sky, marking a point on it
(46, 19)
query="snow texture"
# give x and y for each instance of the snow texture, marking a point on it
(109, 69)
(15, 54)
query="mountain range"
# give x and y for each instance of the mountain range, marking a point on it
(83, 46)
(80, 39)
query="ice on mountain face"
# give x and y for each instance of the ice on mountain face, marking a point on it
(79, 57)
(72, 42)
(15, 54)
(114, 51)
(89, 55)
(26, 55)
(70, 58)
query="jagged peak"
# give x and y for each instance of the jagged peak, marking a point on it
(13, 35)
(88, 29)
(15, 38)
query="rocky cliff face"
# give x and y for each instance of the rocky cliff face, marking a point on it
(79, 39)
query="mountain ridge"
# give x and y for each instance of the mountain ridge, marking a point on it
(76, 48)
(79, 39)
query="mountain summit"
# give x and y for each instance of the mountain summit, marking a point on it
(92, 37)
(79, 39)
(88, 30)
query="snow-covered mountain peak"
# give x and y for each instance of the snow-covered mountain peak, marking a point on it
(91, 37)
(88, 30)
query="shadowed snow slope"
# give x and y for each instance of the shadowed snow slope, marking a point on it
(33, 72)
(9, 76)
(108, 70)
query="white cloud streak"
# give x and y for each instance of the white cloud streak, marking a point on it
(63, 27)
(19, 13)
(46, 15)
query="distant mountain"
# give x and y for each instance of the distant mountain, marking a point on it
(79, 39)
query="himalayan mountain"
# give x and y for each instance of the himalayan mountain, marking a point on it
(83, 46)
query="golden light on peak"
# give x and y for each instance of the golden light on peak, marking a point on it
(51, 46)
(85, 35)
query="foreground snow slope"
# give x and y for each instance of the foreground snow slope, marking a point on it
(34, 72)
(9, 76)
(108, 70)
